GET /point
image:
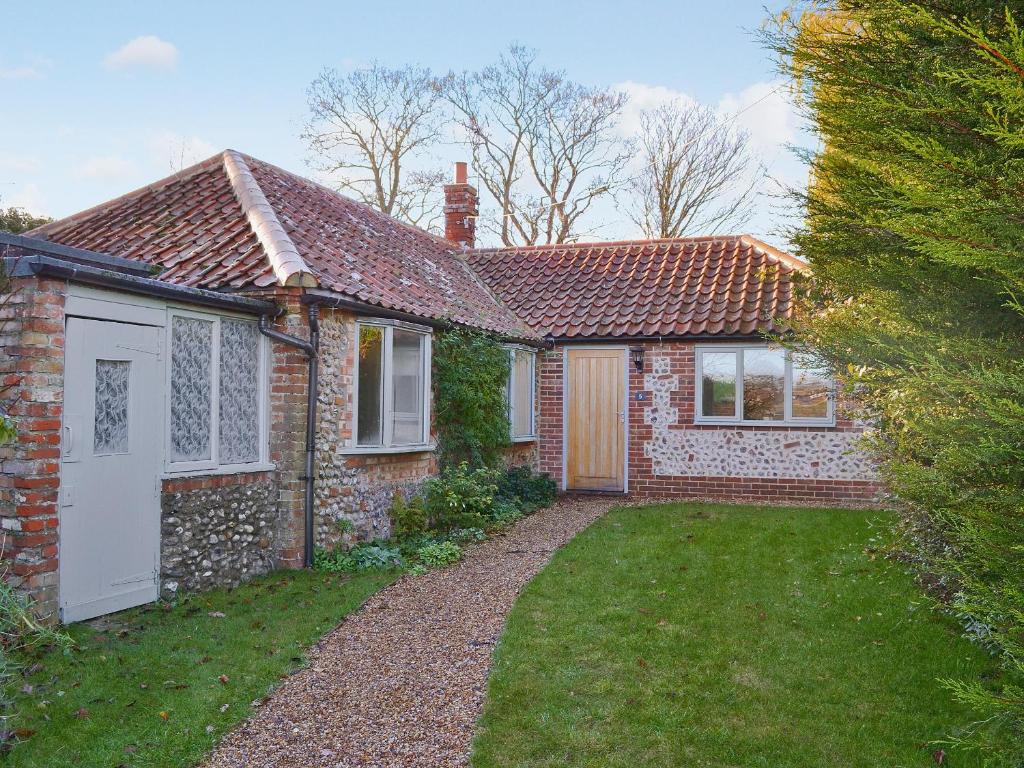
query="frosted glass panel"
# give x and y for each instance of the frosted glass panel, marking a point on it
(407, 382)
(764, 385)
(110, 428)
(371, 356)
(239, 429)
(191, 388)
(718, 385)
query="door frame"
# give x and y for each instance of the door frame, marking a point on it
(624, 348)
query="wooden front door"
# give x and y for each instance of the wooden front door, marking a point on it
(595, 434)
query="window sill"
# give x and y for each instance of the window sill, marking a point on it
(734, 423)
(379, 451)
(525, 439)
(233, 469)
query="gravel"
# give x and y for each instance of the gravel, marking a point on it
(401, 682)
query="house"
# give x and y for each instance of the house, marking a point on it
(210, 373)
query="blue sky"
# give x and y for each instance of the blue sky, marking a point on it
(90, 114)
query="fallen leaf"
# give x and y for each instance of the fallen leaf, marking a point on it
(224, 679)
(82, 714)
(939, 756)
(215, 615)
(164, 715)
(641, 663)
(24, 733)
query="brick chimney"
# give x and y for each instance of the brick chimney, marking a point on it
(461, 207)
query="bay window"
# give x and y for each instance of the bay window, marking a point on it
(392, 385)
(520, 393)
(216, 393)
(761, 384)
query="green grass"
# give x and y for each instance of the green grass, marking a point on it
(700, 635)
(142, 689)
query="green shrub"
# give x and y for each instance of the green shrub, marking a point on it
(529, 490)
(504, 513)
(440, 554)
(408, 515)
(470, 372)
(362, 557)
(460, 497)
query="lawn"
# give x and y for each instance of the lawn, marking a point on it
(156, 687)
(710, 635)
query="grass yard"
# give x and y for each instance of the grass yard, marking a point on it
(157, 687)
(706, 635)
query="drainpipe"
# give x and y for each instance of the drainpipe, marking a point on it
(311, 349)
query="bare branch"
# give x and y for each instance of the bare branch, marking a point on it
(697, 173)
(368, 126)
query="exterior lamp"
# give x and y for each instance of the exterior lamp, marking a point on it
(636, 354)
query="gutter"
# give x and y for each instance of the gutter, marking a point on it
(48, 266)
(336, 301)
(311, 349)
(626, 339)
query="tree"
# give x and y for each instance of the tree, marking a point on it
(17, 220)
(543, 147)
(369, 127)
(696, 174)
(914, 230)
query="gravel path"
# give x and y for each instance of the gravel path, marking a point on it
(401, 682)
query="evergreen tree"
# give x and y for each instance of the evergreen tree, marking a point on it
(915, 230)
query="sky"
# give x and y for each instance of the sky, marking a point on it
(101, 98)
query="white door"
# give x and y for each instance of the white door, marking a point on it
(110, 503)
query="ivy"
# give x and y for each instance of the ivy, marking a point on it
(470, 375)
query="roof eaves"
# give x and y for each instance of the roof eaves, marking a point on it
(286, 261)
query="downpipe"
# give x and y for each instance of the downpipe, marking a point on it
(311, 349)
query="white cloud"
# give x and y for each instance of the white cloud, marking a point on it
(37, 67)
(27, 196)
(17, 163)
(105, 168)
(147, 51)
(766, 111)
(644, 97)
(174, 151)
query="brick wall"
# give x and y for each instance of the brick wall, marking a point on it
(670, 456)
(32, 375)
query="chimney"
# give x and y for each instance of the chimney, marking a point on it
(461, 207)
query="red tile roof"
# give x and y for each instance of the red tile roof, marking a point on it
(234, 222)
(715, 286)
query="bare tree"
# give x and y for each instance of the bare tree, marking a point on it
(544, 148)
(368, 127)
(697, 173)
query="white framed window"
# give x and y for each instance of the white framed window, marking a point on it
(217, 393)
(521, 393)
(761, 384)
(392, 392)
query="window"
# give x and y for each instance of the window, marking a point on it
(392, 385)
(521, 393)
(761, 384)
(217, 392)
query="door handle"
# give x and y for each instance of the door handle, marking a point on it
(70, 440)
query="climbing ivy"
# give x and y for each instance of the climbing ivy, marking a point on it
(470, 375)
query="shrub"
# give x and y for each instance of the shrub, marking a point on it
(470, 373)
(440, 554)
(460, 497)
(408, 516)
(524, 487)
(504, 513)
(362, 557)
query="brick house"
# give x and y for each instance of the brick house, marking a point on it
(216, 373)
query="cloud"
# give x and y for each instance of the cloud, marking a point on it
(11, 162)
(36, 68)
(765, 111)
(147, 51)
(644, 97)
(174, 151)
(27, 196)
(105, 168)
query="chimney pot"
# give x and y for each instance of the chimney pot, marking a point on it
(461, 173)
